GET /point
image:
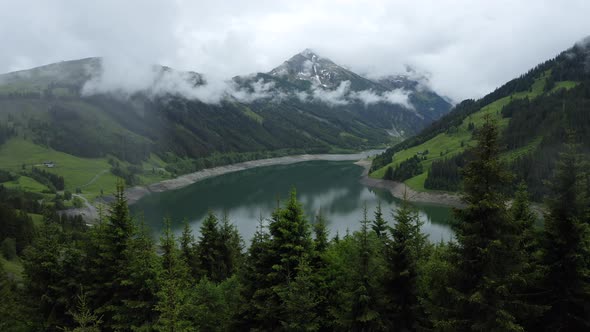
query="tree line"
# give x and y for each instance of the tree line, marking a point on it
(503, 271)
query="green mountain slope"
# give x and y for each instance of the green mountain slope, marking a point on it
(535, 112)
(46, 111)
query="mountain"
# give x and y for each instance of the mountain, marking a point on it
(536, 113)
(309, 72)
(165, 122)
(310, 67)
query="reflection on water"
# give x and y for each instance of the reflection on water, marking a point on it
(332, 187)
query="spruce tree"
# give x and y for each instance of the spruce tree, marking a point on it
(379, 224)
(174, 283)
(291, 238)
(43, 272)
(141, 283)
(108, 259)
(525, 220)
(209, 249)
(255, 286)
(290, 243)
(364, 314)
(566, 248)
(527, 286)
(402, 253)
(231, 248)
(85, 319)
(318, 271)
(209, 306)
(487, 244)
(188, 250)
(320, 230)
(14, 315)
(300, 299)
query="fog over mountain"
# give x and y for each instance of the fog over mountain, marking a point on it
(465, 48)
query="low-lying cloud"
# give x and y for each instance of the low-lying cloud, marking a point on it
(343, 95)
(123, 80)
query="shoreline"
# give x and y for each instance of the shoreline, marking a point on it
(400, 189)
(136, 193)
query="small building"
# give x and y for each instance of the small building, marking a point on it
(49, 164)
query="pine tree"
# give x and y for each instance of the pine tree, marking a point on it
(487, 244)
(402, 253)
(379, 224)
(566, 248)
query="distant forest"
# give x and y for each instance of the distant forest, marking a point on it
(504, 271)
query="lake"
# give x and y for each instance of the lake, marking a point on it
(330, 186)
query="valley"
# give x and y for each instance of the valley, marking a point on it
(183, 166)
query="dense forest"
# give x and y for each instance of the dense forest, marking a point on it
(504, 271)
(405, 170)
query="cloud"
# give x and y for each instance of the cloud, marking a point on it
(463, 44)
(343, 95)
(399, 96)
(119, 77)
(396, 97)
(367, 97)
(255, 90)
(115, 78)
(333, 97)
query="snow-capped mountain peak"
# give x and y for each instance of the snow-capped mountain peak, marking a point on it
(309, 66)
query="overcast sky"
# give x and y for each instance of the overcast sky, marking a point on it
(468, 47)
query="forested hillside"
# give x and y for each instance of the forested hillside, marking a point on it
(164, 129)
(536, 112)
(294, 276)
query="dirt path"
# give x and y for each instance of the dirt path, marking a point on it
(400, 189)
(98, 175)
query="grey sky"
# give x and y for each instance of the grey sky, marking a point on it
(468, 47)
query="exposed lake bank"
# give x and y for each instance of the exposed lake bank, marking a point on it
(400, 189)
